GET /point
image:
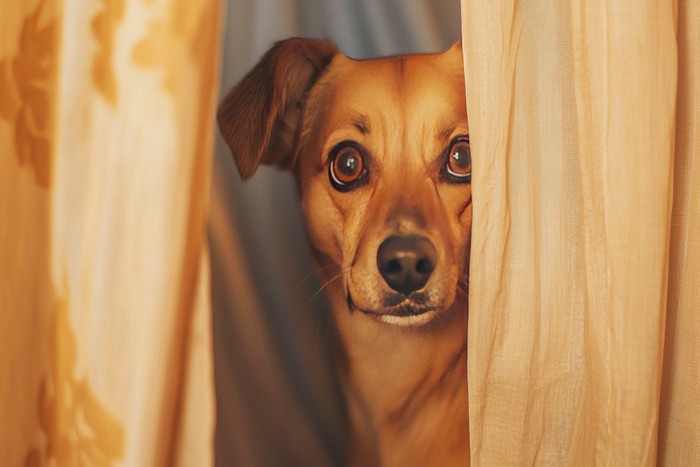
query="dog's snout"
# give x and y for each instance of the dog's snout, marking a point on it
(406, 263)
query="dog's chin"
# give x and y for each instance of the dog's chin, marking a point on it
(406, 313)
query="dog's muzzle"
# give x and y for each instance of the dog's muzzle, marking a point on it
(406, 264)
(406, 313)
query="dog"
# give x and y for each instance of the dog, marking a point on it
(380, 151)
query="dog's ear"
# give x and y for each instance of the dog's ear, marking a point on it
(259, 117)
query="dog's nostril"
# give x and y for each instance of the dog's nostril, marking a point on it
(424, 266)
(406, 263)
(393, 266)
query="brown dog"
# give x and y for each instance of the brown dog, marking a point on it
(380, 149)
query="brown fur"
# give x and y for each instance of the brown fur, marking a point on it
(406, 386)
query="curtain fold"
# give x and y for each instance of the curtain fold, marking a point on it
(679, 423)
(106, 132)
(585, 240)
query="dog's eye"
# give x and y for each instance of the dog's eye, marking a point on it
(347, 166)
(458, 168)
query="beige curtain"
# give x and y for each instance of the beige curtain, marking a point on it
(105, 139)
(584, 329)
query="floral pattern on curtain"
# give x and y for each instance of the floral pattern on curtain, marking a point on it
(106, 135)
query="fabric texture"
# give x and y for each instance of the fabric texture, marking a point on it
(584, 281)
(106, 125)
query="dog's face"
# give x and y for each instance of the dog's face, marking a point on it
(381, 152)
(384, 170)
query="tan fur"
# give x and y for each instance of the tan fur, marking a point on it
(406, 386)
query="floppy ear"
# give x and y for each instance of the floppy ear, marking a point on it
(259, 117)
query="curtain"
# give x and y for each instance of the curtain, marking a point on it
(106, 125)
(585, 264)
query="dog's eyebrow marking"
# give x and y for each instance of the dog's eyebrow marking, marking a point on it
(446, 133)
(362, 124)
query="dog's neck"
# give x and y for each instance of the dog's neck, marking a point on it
(406, 388)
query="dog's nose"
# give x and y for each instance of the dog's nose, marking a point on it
(406, 263)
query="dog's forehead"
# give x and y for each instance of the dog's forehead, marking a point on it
(390, 101)
(406, 80)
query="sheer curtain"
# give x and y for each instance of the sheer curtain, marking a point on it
(585, 272)
(106, 126)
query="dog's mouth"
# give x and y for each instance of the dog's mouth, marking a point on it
(405, 313)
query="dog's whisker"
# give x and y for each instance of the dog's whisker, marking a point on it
(301, 282)
(309, 276)
(463, 287)
(327, 283)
